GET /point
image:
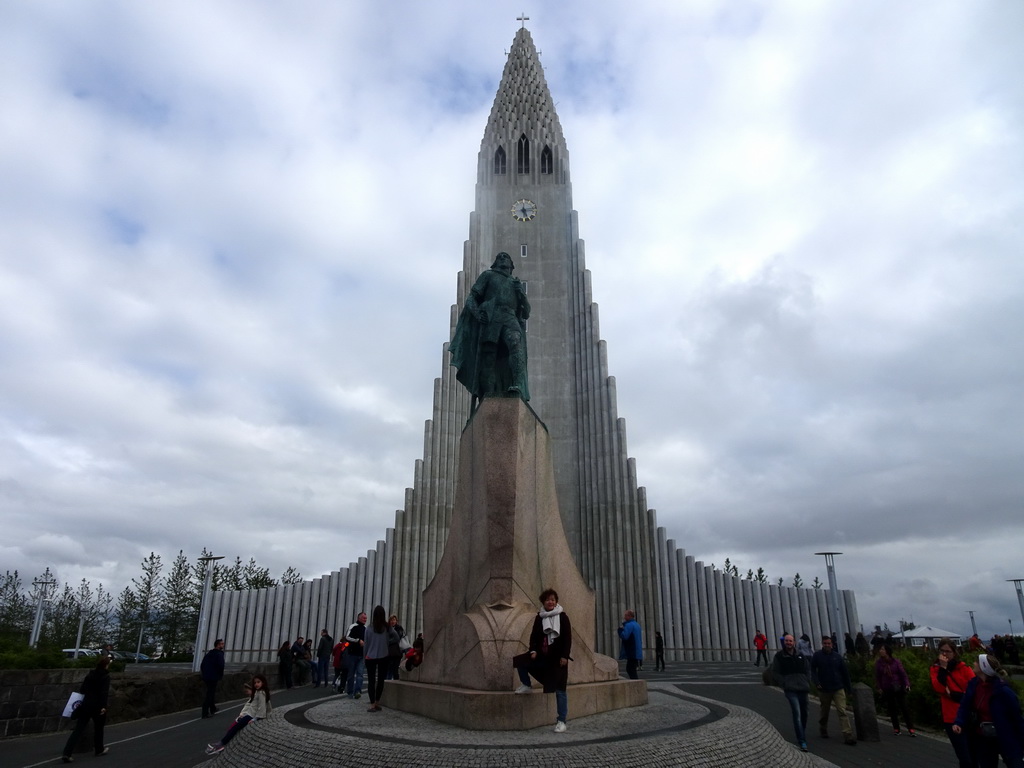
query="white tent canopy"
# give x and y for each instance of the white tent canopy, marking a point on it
(926, 636)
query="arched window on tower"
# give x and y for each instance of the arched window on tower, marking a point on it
(547, 161)
(499, 161)
(523, 155)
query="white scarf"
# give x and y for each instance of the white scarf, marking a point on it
(550, 622)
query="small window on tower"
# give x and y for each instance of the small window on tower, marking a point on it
(523, 155)
(522, 251)
(499, 161)
(546, 160)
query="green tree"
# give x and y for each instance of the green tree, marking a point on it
(126, 616)
(148, 593)
(750, 574)
(291, 576)
(254, 577)
(779, 582)
(178, 607)
(232, 576)
(797, 581)
(817, 583)
(761, 577)
(15, 608)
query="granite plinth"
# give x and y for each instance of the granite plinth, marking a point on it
(507, 711)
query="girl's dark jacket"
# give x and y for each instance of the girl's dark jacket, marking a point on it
(546, 668)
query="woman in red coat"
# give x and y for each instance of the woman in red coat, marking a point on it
(950, 677)
(550, 645)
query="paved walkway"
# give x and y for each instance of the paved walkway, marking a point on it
(700, 714)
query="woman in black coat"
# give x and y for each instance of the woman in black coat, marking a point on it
(96, 688)
(550, 646)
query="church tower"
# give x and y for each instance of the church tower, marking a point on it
(524, 207)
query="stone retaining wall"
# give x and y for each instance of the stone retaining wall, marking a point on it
(31, 701)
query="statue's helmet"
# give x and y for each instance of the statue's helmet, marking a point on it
(503, 256)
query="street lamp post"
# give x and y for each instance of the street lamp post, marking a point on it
(37, 623)
(1020, 597)
(974, 627)
(201, 630)
(830, 564)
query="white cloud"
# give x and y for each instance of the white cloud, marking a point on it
(229, 240)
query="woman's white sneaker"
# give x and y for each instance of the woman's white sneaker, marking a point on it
(560, 727)
(523, 689)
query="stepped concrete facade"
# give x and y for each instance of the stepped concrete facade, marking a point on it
(524, 207)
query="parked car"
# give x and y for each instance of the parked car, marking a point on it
(134, 657)
(70, 652)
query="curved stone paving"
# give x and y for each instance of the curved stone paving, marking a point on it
(673, 729)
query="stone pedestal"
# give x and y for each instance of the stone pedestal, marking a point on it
(505, 545)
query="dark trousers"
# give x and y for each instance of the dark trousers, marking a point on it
(98, 721)
(236, 726)
(896, 705)
(631, 665)
(762, 653)
(659, 660)
(209, 708)
(284, 669)
(961, 746)
(375, 671)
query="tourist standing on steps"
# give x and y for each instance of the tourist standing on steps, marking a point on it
(829, 673)
(377, 636)
(96, 689)
(212, 670)
(256, 708)
(396, 661)
(894, 685)
(792, 671)
(284, 664)
(299, 666)
(631, 648)
(950, 678)
(323, 658)
(550, 649)
(659, 652)
(307, 658)
(354, 657)
(761, 644)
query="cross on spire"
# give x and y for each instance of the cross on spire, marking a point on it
(523, 18)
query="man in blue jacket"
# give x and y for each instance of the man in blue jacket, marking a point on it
(632, 649)
(830, 675)
(212, 670)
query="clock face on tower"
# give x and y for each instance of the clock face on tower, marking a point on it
(524, 210)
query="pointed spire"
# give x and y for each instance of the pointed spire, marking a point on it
(523, 104)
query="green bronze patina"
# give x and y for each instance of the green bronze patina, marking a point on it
(489, 346)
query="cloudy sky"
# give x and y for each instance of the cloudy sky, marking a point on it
(229, 236)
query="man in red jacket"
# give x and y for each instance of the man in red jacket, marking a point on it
(761, 643)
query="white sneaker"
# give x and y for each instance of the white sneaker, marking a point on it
(560, 727)
(523, 689)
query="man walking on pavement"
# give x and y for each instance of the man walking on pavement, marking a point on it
(792, 671)
(323, 657)
(761, 643)
(830, 675)
(212, 670)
